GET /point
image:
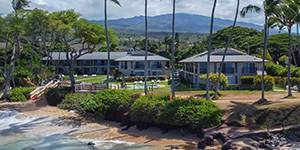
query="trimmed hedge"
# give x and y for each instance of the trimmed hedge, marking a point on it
(20, 94)
(247, 79)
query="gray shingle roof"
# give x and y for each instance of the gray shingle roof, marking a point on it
(232, 55)
(91, 56)
(116, 56)
(142, 58)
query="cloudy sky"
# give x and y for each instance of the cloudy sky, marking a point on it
(93, 9)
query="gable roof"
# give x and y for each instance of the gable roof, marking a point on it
(232, 55)
(90, 56)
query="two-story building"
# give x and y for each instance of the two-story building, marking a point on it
(129, 63)
(237, 64)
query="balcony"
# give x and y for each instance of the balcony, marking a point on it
(203, 70)
(228, 70)
(139, 67)
(249, 70)
(155, 66)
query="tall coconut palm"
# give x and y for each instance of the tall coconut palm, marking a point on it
(287, 16)
(107, 40)
(268, 8)
(209, 49)
(146, 47)
(173, 49)
(227, 45)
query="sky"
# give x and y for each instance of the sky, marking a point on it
(93, 9)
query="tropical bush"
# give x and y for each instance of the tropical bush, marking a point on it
(1, 83)
(274, 69)
(213, 78)
(247, 79)
(192, 112)
(56, 95)
(99, 102)
(269, 82)
(146, 109)
(20, 94)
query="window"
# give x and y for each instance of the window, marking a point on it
(230, 79)
(249, 68)
(140, 65)
(156, 65)
(228, 68)
(139, 73)
(156, 73)
(123, 65)
(203, 68)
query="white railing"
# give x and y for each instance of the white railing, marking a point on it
(40, 90)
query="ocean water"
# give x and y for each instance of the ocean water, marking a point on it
(22, 132)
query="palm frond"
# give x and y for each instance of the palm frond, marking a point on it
(250, 8)
(117, 2)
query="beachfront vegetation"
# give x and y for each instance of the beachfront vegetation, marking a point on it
(20, 94)
(150, 109)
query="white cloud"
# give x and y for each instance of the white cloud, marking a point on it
(93, 9)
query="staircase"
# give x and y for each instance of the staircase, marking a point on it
(42, 89)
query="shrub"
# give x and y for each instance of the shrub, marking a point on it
(280, 81)
(193, 112)
(56, 95)
(232, 87)
(213, 78)
(247, 79)
(20, 94)
(146, 109)
(274, 69)
(269, 82)
(99, 102)
(20, 77)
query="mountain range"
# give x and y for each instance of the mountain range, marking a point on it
(189, 23)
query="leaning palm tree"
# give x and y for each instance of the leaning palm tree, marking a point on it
(146, 47)
(287, 15)
(268, 7)
(227, 45)
(107, 40)
(209, 49)
(173, 49)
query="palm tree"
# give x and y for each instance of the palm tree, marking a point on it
(227, 45)
(107, 40)
(209, 49)
(20, 4)
(173, 50)
(287, 16)
(146, 46)
(268, 7)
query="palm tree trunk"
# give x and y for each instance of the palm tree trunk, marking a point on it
(146, 46)
(107, 44)
(60, 49)
(227, 45)
(264, 58)
(209, 49)
(298, 43)
(289, 66)
(173, 53)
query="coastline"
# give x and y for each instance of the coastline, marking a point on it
(110, 131)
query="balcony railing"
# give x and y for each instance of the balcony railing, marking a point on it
(203, 70)
(228, 70)
(155, 66)
(139, 67)
(249, 70)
